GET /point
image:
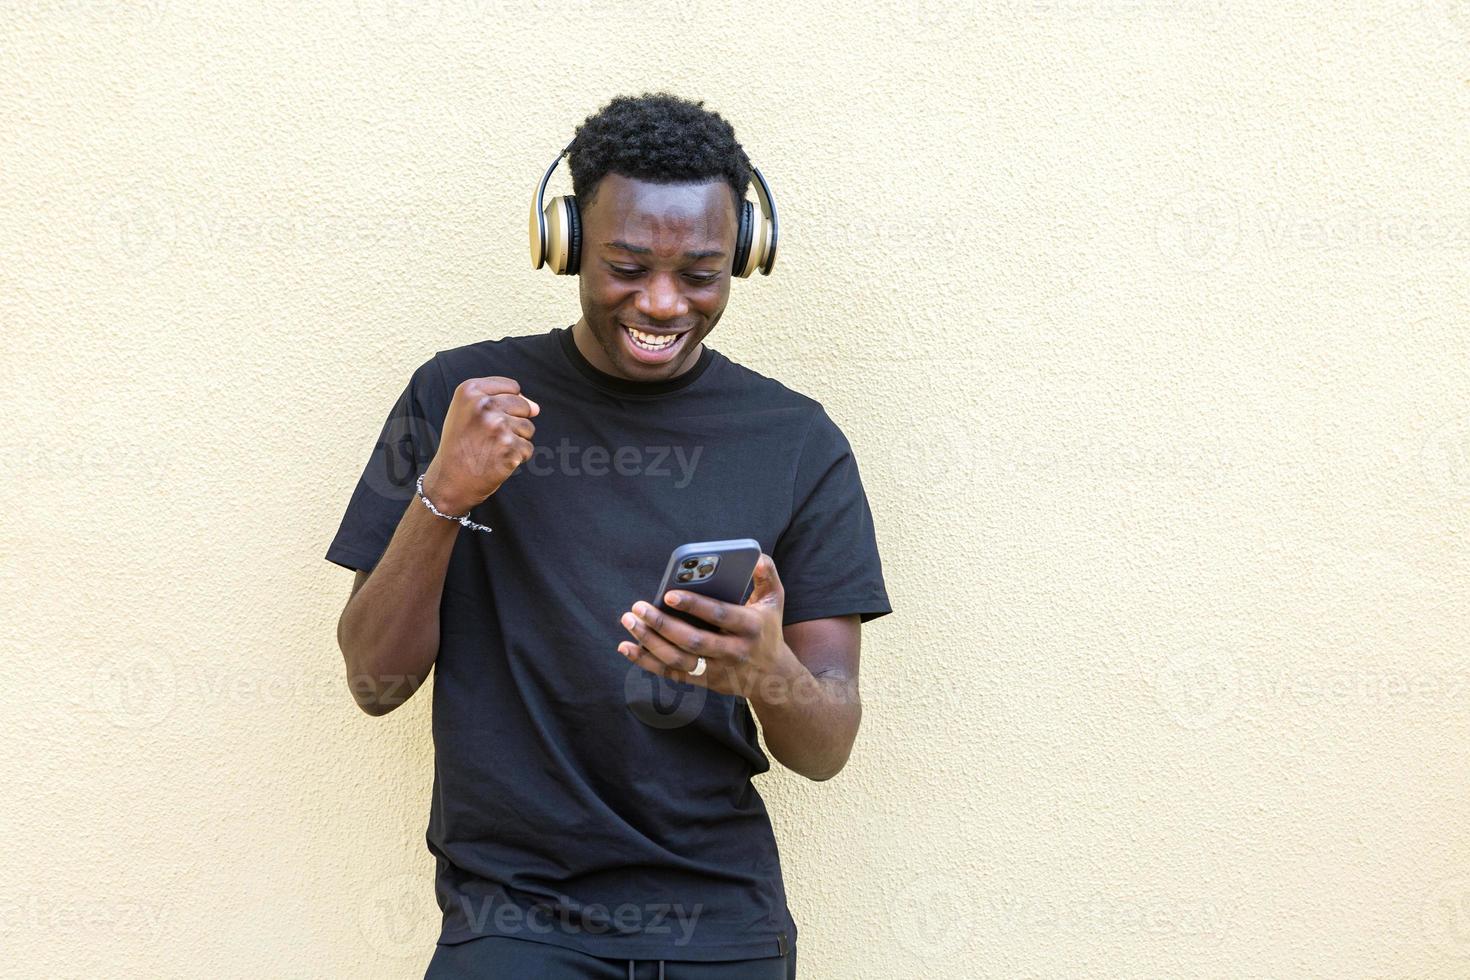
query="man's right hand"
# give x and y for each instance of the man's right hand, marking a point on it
(487, 434)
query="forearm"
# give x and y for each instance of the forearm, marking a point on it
(389, 630)
(809, 722)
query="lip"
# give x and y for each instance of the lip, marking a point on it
(653, 330)
(650, 356)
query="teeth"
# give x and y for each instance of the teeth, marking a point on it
(649, 340)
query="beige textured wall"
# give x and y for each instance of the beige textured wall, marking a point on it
(1147, 320)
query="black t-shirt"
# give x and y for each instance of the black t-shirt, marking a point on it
(579, 799)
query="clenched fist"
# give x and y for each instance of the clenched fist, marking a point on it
(487, 434)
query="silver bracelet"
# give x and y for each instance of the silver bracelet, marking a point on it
(464, 521)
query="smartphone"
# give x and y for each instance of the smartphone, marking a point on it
(719, 569)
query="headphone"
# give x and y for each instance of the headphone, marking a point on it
(556, 230)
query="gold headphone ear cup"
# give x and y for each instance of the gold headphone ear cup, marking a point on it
(574, 236)
(556, 235)
(767, 236)
(763, 244)
(563, 235)
(741, 265)
(538, 235)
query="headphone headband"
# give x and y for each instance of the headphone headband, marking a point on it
(556, 229)
(538, 215)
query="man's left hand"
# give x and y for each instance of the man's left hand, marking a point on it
(744, 649)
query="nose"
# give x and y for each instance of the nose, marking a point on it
(662, 300)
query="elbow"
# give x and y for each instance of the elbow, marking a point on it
(377, 695)
(375, 689)
(817, 770)
(375, 692)
(822, 775)
(365, 695)
(821, 770)
(373, 708)
(835, 764)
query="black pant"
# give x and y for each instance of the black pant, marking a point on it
(510, 958)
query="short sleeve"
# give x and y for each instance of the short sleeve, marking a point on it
(827, 557)
(405, 447)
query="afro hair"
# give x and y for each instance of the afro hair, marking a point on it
(659, 138)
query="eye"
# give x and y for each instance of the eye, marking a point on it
(700, 279)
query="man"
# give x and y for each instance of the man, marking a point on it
(592, 803)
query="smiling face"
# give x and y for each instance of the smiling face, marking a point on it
(656, 258)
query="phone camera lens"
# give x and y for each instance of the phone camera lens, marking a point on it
(690, 562)
(706, 568)
(684, 576)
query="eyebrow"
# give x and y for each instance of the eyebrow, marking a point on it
(708, 253)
